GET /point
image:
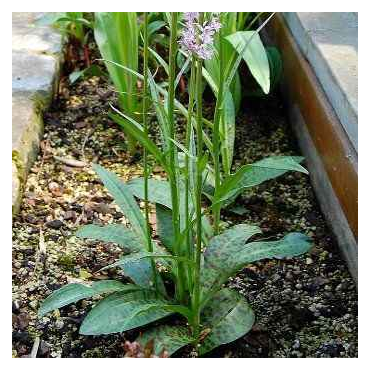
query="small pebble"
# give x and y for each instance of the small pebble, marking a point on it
(59, 324)
(33, 304)
(55, 224)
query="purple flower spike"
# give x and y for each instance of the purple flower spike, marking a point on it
(198, 39)
(191, 16)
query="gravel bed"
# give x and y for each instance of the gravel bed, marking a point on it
(305, 307)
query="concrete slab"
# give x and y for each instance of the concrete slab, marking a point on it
(36, 56)
(16, 189)
(26, 35)
(329, 41)
(33, 73)
(26, 130)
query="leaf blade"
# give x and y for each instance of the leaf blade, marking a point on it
(256, 173)
(124, 199)
(166, 338)
(216, 270)
(254, 56)
(74, 292)
(120, 312)
(114, 233)
(228, 316)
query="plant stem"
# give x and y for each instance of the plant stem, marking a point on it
(145, 154)
(191, 92)
(173, 178)
(218, 115)
(198, 195)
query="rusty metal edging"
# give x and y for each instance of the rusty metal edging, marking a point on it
(301, 88)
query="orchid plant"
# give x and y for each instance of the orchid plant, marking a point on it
(185, 271)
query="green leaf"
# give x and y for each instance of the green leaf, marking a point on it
(276, 71)
(164, 225)
(184, 112)
(228, 316)
(222, 256)
(117, 36)
(120, 312)
(160, 60)
(227, 254)
(74, 292)
(161, 112)
(227, 132)
(133, 257)
(159, 190)
(118, 234)
(227, 126)
(207, 230)
(293, 244)
(255, 174)
(254, 55)
(93, 70)
(165, 338)
(141, 273)
(135, 131)
(155, 26)
(124, 199)
(160, 193)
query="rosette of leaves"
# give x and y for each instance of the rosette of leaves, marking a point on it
(225, 314)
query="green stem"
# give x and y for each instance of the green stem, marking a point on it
(216, 134)
(198, 195)
(145, 154)
(191, 91)
(173, 178)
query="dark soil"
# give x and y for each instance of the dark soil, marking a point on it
(305, 306)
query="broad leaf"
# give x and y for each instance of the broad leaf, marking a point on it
(222, 254)
(228, 316)
(254, 55)
(257, 173)
(118, 234)
(207, 230)
(123, 197)
(293, 244)
(141, 273)
(164, 225)
(120, 312)
(159, 190)
(160, 193)
(74, 292)
(165, 338)
(134, 257)
(227, 254)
